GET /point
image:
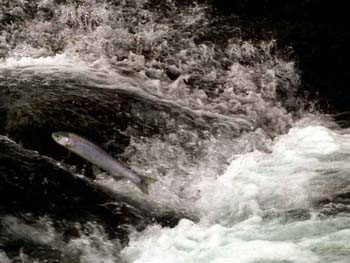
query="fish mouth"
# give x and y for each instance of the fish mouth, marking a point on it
(57, 135)
(61, 138)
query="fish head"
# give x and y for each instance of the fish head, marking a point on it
(63, 138)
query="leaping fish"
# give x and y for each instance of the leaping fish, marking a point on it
(100, 158)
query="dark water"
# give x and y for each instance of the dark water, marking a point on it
(247, 170)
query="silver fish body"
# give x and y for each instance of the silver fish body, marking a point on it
(100, 158)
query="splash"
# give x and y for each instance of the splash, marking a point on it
(93, 246)
(3, 257)
(246, 84)
(262, 203)
(90, 244)
(232, 172)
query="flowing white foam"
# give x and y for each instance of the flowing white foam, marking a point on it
(233, 228)
(260, 180)
(4, 258)
(91, 246)
(59, 60)
(245, 95)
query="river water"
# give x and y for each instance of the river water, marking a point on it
(257, 177)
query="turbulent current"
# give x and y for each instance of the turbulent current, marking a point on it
(260, 209)
(218, 122)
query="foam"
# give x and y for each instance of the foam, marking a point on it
(3, 257)
(62, 60)
(233, 228)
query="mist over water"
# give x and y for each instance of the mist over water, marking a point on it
(252, 171)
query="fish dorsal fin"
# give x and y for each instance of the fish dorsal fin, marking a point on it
(146, 181)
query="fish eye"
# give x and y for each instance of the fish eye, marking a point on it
(63, 139)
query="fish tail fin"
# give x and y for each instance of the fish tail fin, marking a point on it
(146, 181)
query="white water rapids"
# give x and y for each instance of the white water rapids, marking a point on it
(234, 207)
(256, 190)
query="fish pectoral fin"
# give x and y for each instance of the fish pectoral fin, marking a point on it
(117, 177)
(146, 181)
(96, 170)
